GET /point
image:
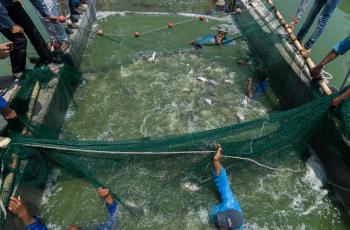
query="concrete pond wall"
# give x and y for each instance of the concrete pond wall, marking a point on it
(46, 113)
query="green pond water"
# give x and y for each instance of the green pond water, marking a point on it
(125, 95)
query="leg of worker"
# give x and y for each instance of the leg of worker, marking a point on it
(18, 54)
(61, 34)
(20, 17)
(326, 14)
(315, 9)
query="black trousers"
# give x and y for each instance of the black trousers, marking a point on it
(18, 55)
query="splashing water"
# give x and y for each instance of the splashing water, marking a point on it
(125, 95)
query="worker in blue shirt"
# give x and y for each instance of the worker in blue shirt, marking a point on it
(340, 48)
(228, 214)
(18, 208)
(14, 23)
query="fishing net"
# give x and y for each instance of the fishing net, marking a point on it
(29, 158)
(84, 159)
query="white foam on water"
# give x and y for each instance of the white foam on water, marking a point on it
(316, 174)
(53, 226)
(191, 15)
(191, 187)
(105, 14)
(314, 178)
(50, 184)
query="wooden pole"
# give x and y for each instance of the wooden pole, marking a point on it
(310, 64)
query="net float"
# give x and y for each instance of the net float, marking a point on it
(61, 19)
(137, 34)
(170, 25)
(238, 10)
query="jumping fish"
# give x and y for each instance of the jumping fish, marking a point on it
(153, 58)
(244, 100)
(209, 101)
(213, 82)
(228, 81)
(186, 90)
(203, 79)
(240, 116)
(190, 187)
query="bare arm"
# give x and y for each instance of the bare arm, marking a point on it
(104, 192)
(217, 158)
(316, 71)
(248, 90)
(338, 100)
(18, 208)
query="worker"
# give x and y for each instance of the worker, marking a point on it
(258, 90)
(219, 39)
(221, 35)
(18, 208)
(340, 48)
(59, 39)
(221, 6)
(14, 22)
(328, 7)
(228, 214)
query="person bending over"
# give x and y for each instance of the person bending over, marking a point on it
(339, 49)
(228, 214)
(18, 208)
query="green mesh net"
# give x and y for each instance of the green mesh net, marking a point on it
(42, 149)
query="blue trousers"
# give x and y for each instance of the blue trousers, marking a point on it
(329, 7)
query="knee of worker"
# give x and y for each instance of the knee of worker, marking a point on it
(322, 21)
(19, 42)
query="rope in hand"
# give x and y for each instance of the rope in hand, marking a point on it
(262, 165)
(258, 164)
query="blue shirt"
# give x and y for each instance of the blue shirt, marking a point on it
(109, 224)
(210, 40)
(227, 199)
(3, 103)
(342, 46)
(6, 21)
(37, 225)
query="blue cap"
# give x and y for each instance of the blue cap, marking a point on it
(230, 220)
